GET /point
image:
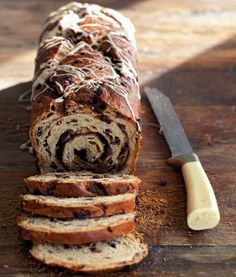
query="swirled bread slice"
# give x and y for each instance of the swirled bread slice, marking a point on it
(93, 258)
(71, 184)
(81, 207)
(75, 231)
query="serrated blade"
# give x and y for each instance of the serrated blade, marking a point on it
(169, 122)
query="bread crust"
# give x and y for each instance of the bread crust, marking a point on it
(77, 237)
(80, 212)
(83, 102)
(81, 188)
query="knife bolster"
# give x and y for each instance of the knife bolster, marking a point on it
(180, 160)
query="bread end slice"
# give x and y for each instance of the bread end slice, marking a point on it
(106, 256)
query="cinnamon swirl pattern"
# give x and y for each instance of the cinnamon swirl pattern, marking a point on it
(85, 95)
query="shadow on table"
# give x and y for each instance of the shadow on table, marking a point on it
(206, 84)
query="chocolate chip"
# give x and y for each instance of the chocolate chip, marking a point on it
(109, 229)
(36, 191)
(45, 143)
(108, 131)
(122, 126)
(93, 248)
(50, 190)
(163, 181)
(53, 165)
(64, 136)
(39, 132)
(48, 151)
(48, 115)
(96, 176)
(112, 244)
(73, 121)
(105, 118)
(39, 86)
(82, 154)
(116, 140)
(97, 189)
(81, 215)
(137, 201)
(84, 101)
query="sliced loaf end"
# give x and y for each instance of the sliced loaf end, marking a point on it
(97, 257)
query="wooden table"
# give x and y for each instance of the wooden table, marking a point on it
(187, 49)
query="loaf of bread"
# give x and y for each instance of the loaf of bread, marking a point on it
(72, 184)
(85, 95)
(80, 208)
(95, 257)
(75, 231)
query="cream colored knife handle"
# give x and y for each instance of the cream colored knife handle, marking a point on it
(202, 208)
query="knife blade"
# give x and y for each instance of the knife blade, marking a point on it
(202, 208)
(169, 122)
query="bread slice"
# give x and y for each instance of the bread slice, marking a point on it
(81, 207)
(93, 258)
(71, 184)
(75, 231)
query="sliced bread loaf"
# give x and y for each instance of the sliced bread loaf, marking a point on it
(81, 207)
(75, 231)
(93, 258)
(71, 184)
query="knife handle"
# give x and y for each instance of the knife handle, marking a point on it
(202, 208)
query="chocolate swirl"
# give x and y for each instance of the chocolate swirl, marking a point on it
(85, 96)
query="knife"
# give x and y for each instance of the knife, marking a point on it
(202, 208)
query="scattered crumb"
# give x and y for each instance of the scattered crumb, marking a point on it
(163, 181)
(3, 226)
(151, 211)
(156, 211)
(164, 259)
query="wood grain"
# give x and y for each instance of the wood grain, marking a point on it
(187, 49)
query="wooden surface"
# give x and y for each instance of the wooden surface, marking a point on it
(187, 49)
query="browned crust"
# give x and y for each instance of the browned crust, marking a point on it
(81, 268)
(81, 188)
(78, 237)
(80, 212)
(113, 101)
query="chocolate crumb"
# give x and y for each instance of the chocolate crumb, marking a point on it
(163, 181)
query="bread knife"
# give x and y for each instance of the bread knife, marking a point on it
(202, 208)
